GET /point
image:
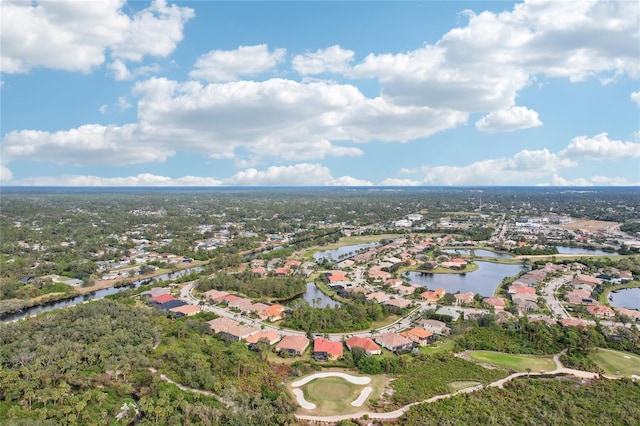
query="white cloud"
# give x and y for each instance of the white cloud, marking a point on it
(5, 175)
(635, 97)
(119, 70)
(514, 118)
(143, 179)
(229, 65)
(524, 168)
(76, 35)
(481, 67)
(103, 108)
(123, 103)
(303, 174)
(332, 59)
(593, 181)
(89, 144)
(400, 182)
(600, 147)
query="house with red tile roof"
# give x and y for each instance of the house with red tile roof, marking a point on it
(418, 335)
(433, 295)
(573, 322)
(497, 303)
(466, 297)
(378, 296)
(326, 350)
(235, 333)
(397, 305)
(269, 336)
(521, 290)
(273, 313)
(240, 303)
(220, 324)
(601, 311)
(259, 271)
(631, 313)
(368, 345)
(292, 345)
(162, 298)
(214, 296)
(394, 342)
(185, 310)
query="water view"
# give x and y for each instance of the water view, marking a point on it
(316, 298)
(626, 298)
(345, 251)
(478, 252)
(483, 281)
(580, 250)
(99, 294)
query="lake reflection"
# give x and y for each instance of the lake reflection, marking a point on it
(483, 281)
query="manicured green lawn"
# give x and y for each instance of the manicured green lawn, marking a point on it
(613, 361)
(439, 346)
(518, 363)
(334, 395)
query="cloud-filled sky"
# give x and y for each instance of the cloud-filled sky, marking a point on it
(117, 92)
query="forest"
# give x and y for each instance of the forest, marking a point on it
(82, 365)
(272, 288)
(358, 315)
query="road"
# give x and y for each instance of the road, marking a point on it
(549, 292)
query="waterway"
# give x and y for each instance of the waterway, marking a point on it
(626, 298)
(479, 252)
(580, 250)
(99, 294)
(483, 281)
(344, 250)
(314, 297)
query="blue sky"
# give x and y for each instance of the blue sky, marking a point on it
(320, 93)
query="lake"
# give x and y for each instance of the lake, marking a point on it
(344, 250)
(626, 298)
(483, 281)
(315, 297)
(478, 252)
(99, 294)
(579, 250)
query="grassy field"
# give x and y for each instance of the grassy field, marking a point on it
(518, 363)
(615, 361)
(333, 395)
(440, 346)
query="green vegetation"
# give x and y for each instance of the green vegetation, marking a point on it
(616, 362)
(517, 363)
(537, 402)
(80, 365)
(249, 285)
(426, 376)
(354, 316)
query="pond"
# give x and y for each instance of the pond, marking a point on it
(626, 298)
(340, 251)
(483, 281)
(316, 298)
(99, 294)
(580, 250)
(479, 252)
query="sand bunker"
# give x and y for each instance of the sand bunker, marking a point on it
(302, 401)
(363, 397)
(356, 380)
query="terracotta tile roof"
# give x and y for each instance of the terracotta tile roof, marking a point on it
(296, 343)
(420, 332)
(363, 342)
(320, 344)
(162, 298)
(221, 324)
(186, 309)
(270, 335)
